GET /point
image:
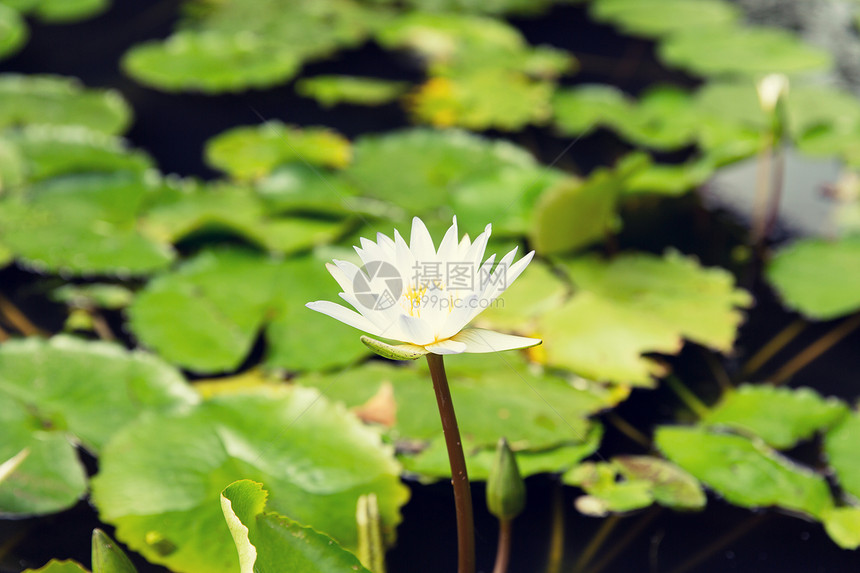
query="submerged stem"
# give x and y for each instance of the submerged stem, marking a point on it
(815, 350)
(459, 476)
(687, 397)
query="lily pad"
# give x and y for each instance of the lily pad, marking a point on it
(654, 18)
(779, 416)
(574, 214)
(297, 187)
(210, 62)
(727, 50)
(494, 398)
(82, 224)
(537, 291)
(55, 100)
(746, 473)
(66, 392)
(268, 542)
(13, 31)
(639, 303)
(356, 90)
(206, 315)
(94, 295)
(315, 459)
(840, 445)
(235, 210)
(508, 100)
(627, 483)
(818, 278)
(62, 11)
(670, 179)
(59, 566)
(254, 152)
(581, 109)
(843, 526)
(430, 165)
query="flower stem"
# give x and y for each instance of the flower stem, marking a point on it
(459, 476)
(687, 397)
(503, 552)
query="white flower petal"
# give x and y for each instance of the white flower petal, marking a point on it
(446, 347)
(415, 330)
(421, 243)
(343, 281)
(479, 340)
(344, 315)
(448, 246)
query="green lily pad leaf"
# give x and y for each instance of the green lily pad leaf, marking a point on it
(580, 110)
(13, 31)
(94, 295)
(62, 11)
(6, 255)
(840, 445)
(818, 278)
(744, 472)
(206, 315)
(432, 463)
(334, 90)
(210, 62)
(523, 7)
(55, 100)
(494, 398)
(82, 224)
(107, 556)
(506, 197)
(315, 459)
(537, 291)
(59, 566)
(738, 50)
(63, 392)
(843, 526)
(670, 180)
(654, 18)
(268, 542)
(779, 416)
(635, 304)
(431, 164)
(646, 480)
(574, 214)
(296, 187)
(235, 210)
(665, 118)
(253, 152)
(491, 98)
(49, 151)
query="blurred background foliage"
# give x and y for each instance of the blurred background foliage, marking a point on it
(195, 281)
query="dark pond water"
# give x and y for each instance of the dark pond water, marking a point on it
(173, 128)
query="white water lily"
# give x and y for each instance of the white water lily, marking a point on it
(425, 298)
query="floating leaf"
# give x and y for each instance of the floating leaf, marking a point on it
(210, 62)
(13, 31)
(663, 17)
(818, 278)
(94, 295)
(58, 566)
(432, 462)
(497, 397)
(268, 542)
(64, 392)
(573, 213)
(635, 304)
(334, 90)
(744, 472)
(492, 98)
(779, 416)
(84, 224)
(61, 11)
(670, 179)
(206, 315)
(840, 445)
(537, 291)
(160, 479)
(627, 483)
(296, 187)
(429, 165)
(580, 110)
(55, 100)
(740, 50)
(843, 526)
(235, 210)
(253, 152)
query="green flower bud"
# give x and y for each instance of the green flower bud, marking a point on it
(506, 490)
(108, 557)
